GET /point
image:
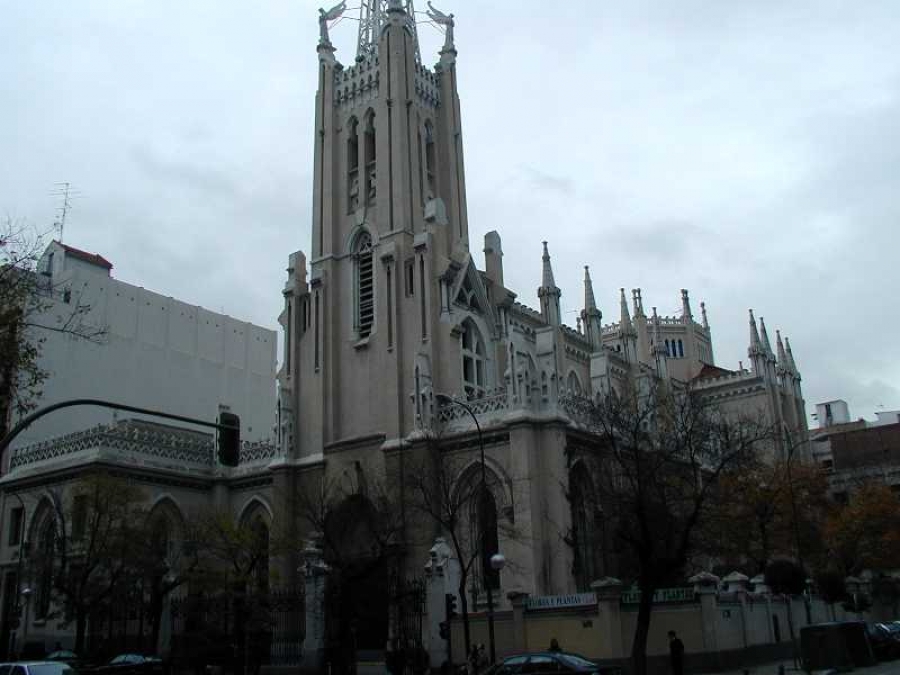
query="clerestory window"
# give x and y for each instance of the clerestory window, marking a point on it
(473, 361)
(365, 286)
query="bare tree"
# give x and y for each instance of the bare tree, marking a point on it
(459, 505)
(93, 537)
(27, 295)
(656, 459)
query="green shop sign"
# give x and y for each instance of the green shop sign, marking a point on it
(633, 597)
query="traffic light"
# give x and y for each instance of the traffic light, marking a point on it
(450, 600)
(229, 439)
(444, 630)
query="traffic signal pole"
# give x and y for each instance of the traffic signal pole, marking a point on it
(27, 421)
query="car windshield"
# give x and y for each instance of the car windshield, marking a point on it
(127, 658)
(50, 669)
(576, 661)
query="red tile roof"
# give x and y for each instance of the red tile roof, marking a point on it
(93, 258)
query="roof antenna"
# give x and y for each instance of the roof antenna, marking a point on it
(66, 193)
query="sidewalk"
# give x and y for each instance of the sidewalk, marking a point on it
(888, 668)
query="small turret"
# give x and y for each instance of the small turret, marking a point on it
(590, 315)
(659, 350)
(493, 257)
(703, 314)
(686, 315)
(549, 293)
(640, 327)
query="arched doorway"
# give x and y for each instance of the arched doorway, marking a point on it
(359, 551)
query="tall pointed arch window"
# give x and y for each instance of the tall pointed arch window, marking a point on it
(429, 160)
(45, 557)
(573, 384)
(369, 148)
(473, 361)
(259, 532)
(365, 284)
(353, 165)
(585, 539)
(484, 534)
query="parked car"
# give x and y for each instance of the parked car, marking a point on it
(128, 664)
(544, 663)
(885, 643)
(36, 668)
(65, 656)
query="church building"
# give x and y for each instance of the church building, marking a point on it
(397, 332)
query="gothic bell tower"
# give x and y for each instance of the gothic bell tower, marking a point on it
(389, 201)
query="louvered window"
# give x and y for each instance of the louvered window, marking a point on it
(365, 286)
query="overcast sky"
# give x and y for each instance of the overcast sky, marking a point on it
(747, 151)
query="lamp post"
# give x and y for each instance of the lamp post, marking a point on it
(500, 560)
(26, 593)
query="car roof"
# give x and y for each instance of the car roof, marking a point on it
(31, 663)
(543, 653)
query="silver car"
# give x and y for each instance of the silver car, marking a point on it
(36, 668)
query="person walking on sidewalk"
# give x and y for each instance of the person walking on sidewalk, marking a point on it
(676, 654)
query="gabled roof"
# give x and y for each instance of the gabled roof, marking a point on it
(92, 258)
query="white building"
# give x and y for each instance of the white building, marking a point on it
(158, 353)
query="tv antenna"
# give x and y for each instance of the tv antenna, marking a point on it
(66, 194)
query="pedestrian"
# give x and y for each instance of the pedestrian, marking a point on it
(473, 660)
(554, 645)
(483, 662)
(676, 654)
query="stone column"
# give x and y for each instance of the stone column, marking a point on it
(518, 599)
(441, 577)
(609, 616)
(706, 585)
(316, 571)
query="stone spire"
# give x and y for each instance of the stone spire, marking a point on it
(590, 303)
(549, 293)
(703, 314)
(626, 331)
(591, 316)
(755, 347)
(686, 314)
(625, 320)
(790, 357)
(782, 356)
(764, 335)
(547, 280)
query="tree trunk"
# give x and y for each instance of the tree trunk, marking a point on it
(80, 626)
(642, 628)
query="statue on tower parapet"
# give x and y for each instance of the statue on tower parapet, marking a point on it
(324, 17)
(445, 20)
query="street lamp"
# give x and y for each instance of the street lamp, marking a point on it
(497, 560)
(26, 593)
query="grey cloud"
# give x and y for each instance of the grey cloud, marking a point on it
(182, 174)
